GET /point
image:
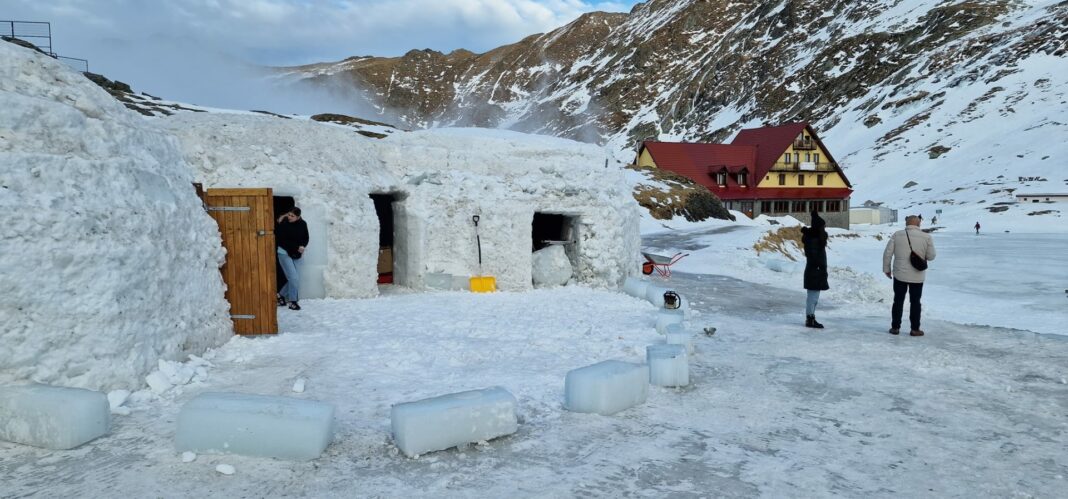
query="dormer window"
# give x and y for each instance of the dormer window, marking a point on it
(721, 179)
(741, 178)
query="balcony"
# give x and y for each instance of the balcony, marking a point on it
(804, 166)
(805, 145)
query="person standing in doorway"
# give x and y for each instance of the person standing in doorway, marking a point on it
(814, 239)
(291, 238)
(977, 228)
(898, 265)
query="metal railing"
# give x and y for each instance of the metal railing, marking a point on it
(804, 145)
(39, 33)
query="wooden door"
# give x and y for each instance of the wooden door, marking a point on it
(246, 221)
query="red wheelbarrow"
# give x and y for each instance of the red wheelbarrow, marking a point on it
(660, 264)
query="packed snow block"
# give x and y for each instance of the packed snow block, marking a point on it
(52, 417)
(255, 425)
(455, 419)
(635, 287)
(666, 317)
(606, 387)
(668, 365)
(677, 335)
(551, 267)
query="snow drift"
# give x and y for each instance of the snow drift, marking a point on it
(109, 261)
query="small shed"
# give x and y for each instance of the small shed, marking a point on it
(872, 213)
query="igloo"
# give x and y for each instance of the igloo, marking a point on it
(109, 261)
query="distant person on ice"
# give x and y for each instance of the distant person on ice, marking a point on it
(977, 228)
(814, 239)
(291, 237)
(907, 278)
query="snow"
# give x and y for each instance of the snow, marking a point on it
(606, 387)
(451, 420)
(52, 417)
(255, 425)
(551, 267)
(668, 365)
(109, 262)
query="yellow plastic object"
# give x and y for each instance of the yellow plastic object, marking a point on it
(483, 284)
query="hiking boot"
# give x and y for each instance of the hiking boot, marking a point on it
(915, 332)
(895, 330)
(294, 305)
(810, 321)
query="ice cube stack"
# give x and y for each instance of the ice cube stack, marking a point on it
(668, 365)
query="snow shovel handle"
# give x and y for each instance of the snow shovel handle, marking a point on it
(478, 240)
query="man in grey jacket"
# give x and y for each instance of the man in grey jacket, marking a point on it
(897, 266)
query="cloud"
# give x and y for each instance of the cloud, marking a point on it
(204, 51)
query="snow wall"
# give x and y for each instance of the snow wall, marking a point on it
(109, 262)
(441, 178)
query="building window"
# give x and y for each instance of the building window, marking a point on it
(765, 206)
(815, 205)
(800, 180)
(741, 179)
(781, 206)
(816, 158)
(782, 179)
(797, 157)
(721, 179)
(786, 158)
(808, 156)
(799, 207)
(834, 205)
(819, 179)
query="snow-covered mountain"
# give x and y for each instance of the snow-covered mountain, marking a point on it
(950, 94)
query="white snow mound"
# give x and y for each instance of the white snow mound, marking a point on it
(109, 262)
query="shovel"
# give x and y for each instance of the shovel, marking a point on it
(481, 283)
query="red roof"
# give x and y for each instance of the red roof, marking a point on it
(772, 141)
(753, 151)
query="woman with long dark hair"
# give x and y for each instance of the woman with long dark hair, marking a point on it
(814, 239)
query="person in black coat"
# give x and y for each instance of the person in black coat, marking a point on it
(814, 239)
(291, 238)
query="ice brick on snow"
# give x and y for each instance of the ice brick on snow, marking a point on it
(52, 417)
(667, 317)
(441, 422)
(668, 365)
(255, 425)
(677, 335)
(635, 287)
(606, 387)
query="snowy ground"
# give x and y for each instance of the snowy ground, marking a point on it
(775, 410)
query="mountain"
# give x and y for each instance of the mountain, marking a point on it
(972, 89)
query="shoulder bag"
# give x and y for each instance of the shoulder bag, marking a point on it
(918, 262)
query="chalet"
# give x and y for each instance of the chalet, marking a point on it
(781, 170)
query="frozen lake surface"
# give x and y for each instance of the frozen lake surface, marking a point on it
(773, 409)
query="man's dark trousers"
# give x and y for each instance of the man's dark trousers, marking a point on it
(915, 291)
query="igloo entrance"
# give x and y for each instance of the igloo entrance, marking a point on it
(550, 230)
(390, 242)
(314, 260)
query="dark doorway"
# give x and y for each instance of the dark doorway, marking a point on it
(551, 228)
(386, 240)
(282, 205)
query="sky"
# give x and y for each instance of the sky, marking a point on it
(207, 52)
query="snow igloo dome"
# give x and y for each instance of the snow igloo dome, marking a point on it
(109, 261)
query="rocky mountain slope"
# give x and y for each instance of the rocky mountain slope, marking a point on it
(953, 83)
